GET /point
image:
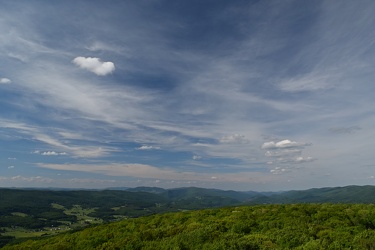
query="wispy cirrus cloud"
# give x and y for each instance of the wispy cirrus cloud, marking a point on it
(203, 104)
(51, 138)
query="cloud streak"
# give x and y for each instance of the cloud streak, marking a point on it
(283, 144)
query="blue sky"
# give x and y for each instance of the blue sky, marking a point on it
(244, 95)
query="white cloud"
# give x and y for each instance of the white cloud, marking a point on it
(210, 98)
(38, 179)
(235, 138)
(10, 167)
(94, 65)
(197, 157)
(5, 81)
(283, 144)
(301, 159)
(284, 166)
(49, 153)
(145, 147)
(35, 133)
(285, 152)
(279, 170)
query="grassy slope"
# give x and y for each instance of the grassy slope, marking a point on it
(303, 226)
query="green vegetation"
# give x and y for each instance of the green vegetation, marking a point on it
(33, 213)
(42, 213)
(299, 226)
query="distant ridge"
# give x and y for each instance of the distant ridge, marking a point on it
(35, 209)
(347, 194)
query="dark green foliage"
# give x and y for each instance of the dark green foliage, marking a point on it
(261, 227)
(5, 239)
(300, 226)
(131, 203)
(26, 222)
(109, 205)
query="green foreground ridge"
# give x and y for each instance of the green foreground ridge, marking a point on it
(293, 226)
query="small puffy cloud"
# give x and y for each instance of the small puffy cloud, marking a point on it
(5, 81)
(50, 153)
(197, 157)
(12, 158)
(10, 167)
(285, 152)
(301, 159)
(94, 65)
(235, 139)
(145, 147)
(279, 170)
(283, 144)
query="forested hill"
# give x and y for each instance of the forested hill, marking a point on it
(292, 226)
(32, 213)
(348, 194)
(24, 200)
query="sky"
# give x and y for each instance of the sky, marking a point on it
(243, 95)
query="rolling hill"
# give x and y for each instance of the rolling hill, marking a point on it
(32, 212)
